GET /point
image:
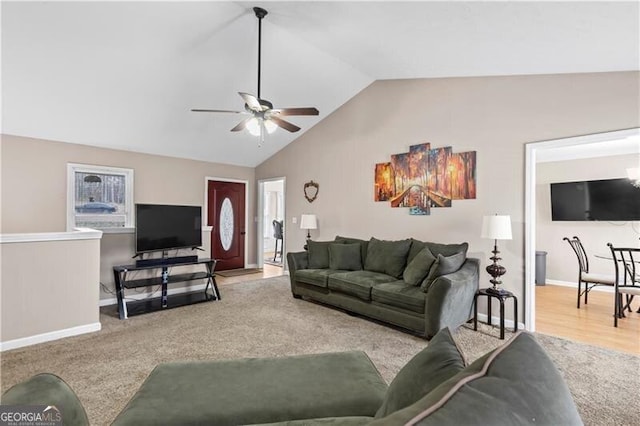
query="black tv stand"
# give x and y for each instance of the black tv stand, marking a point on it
(165, 301)
(167, 261)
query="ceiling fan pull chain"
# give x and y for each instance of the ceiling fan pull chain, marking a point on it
(262, 132)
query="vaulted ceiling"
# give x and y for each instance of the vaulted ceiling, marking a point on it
(125, 75)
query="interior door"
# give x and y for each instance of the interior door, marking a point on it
(226, 211)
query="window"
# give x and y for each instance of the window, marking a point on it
(99, 197)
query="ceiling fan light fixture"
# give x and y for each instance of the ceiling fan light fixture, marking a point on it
(270, 126)
(253, 126)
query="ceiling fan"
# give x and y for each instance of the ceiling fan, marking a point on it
(263, 117)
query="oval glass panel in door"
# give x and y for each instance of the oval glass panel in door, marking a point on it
(226, 224)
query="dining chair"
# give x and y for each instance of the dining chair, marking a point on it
(627, 279)
(590, 280)
(278, 226)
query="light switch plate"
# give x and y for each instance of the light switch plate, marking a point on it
(294, 219)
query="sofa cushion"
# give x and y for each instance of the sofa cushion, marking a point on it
(48, 389)
(257, 390)
(387, 257)
(447, 249)
(318, 254)
(357, 283)
(400, 295)
(317, 277)
(516, 384)
(418, 268)
(443, 266)
(364, 244)
(345, 256)
(416, 247)
(431, 367)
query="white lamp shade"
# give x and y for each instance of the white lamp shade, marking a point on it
(308, 221)
(496, 227)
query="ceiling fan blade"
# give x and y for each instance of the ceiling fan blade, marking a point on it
(296, 111)
(242, 125)
(251, 101)
(218, 110)
(284, 124)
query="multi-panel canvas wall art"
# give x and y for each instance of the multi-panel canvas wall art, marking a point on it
(426, 178)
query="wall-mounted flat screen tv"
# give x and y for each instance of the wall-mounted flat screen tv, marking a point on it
(164, 227)
(606, 200)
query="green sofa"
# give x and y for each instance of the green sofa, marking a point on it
(419, 286)
(516, 384)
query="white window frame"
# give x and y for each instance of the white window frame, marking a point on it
(73, 168)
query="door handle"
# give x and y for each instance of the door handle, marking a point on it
(243, 233)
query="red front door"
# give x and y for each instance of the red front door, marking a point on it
(226, 215)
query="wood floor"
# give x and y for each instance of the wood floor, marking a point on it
(267, 272)
(557, 315)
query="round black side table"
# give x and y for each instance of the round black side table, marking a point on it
(501, 296)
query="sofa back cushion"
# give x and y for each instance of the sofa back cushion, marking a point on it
(447, 249)
(346, 257)
(364, 244)
(436, 248)
(443, 266)
(318, 252)
(387, 257)
(418, 268)
(435, 364)
(516, 384)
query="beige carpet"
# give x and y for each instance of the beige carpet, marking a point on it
(260, 318)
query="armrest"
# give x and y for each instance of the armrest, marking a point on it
(296, 261)
(48, 389)
(449, 301)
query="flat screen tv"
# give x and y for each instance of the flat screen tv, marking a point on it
(165, 227)
(606, 200)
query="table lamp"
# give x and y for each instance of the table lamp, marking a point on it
(497, 227)
(308, 222)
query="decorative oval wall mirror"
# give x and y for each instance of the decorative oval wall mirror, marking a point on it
(311, 189)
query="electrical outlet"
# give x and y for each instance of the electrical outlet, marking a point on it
(294, 219)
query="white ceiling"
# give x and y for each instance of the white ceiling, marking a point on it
(125, 74)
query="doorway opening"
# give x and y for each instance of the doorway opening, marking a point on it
(551, 306)
(271, 222)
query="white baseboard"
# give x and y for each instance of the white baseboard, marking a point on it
(496, 321)
(47, 337)
(606, 289)
(131, 295)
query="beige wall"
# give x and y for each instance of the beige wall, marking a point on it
(495, 116)
(48, 286)
(34, 190)
(561, 261)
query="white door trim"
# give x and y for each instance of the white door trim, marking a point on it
(532, 150)
(260, 218)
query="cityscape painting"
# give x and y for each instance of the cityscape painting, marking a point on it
(426, 178)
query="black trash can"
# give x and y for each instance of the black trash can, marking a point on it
(541, 267)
